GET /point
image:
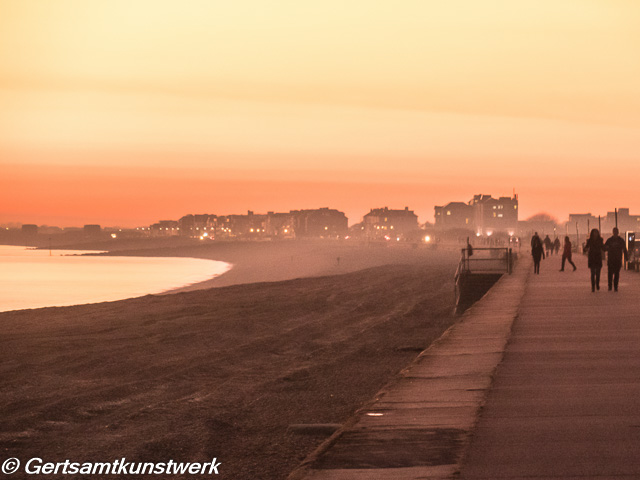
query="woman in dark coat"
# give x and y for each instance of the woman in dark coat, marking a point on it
(595, 248)
(537, 252)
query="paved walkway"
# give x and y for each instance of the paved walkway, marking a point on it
(540, 379)
(565, 402)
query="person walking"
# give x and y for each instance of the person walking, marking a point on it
(556, 245)
(615, 248)
(547, 245)
(566, 254)
(595, 247)
(537, 252)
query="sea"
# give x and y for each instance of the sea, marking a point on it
(31, 278)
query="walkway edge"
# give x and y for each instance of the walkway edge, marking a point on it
(420, 424)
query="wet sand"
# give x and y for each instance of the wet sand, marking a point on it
(221, 372)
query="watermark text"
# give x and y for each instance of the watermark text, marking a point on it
(38, 466)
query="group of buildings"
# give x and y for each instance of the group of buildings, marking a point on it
(620, 218)
(322, 222)
(482, 216)
(379, 223)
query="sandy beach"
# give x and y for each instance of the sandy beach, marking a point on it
(274, 261)
(222, 372)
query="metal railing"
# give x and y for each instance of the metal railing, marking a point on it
(481, 261)
(485, 260)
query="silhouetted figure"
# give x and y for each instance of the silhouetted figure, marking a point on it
(566, 253)
(537, 252)
(556, 245)
(547, 245)
(595, 247)
(615, 248)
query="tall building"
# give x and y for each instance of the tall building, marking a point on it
(483, 214)
(493, 215)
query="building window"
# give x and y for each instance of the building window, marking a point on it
(448, 212)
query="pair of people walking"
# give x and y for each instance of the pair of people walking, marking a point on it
(551, 246)
(615, 248)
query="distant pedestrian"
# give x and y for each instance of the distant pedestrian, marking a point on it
(537, 252)
(615, 249)
(556, 245)
(594, 247)
(566, 254)
(547, 245)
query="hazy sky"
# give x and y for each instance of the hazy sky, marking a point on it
(127, 112)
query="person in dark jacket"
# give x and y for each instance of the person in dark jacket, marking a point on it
(556, 245)
(615, 248)
(566, 254)
(595, 247)
(537, 252)
(548, 245)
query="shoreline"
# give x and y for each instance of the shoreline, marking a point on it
(34, 279)
(260, 262)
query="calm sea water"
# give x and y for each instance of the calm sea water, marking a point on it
(32, 278)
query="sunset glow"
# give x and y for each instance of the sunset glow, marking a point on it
(126, 112)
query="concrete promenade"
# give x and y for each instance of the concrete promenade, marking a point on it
(565, 401)
(539, 379)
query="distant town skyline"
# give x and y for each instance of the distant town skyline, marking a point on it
(124, 112)
(438, 218)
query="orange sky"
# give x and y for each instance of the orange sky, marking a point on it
(127, 112)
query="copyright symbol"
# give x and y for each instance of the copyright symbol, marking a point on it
(10, 466)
